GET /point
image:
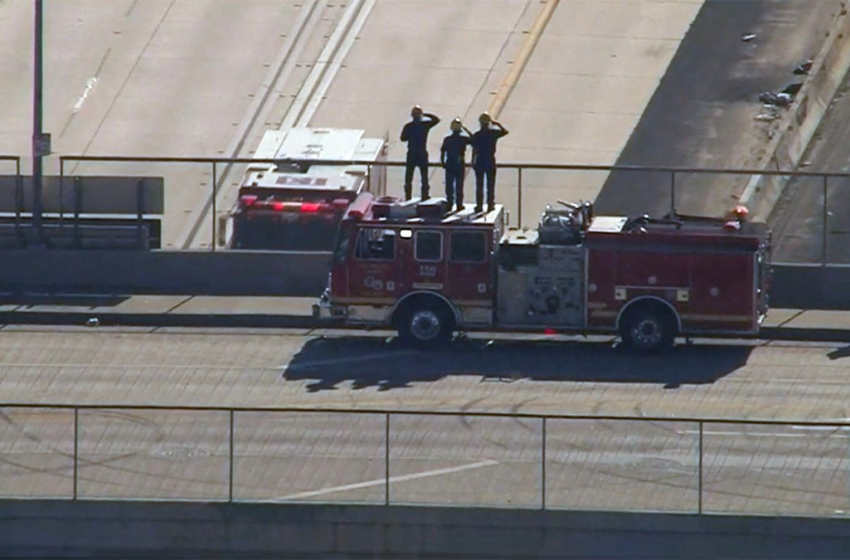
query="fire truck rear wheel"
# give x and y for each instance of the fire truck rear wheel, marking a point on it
(648, 329)
(425, 324)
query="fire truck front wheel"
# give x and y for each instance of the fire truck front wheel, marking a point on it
(425, 324)
(648, 329)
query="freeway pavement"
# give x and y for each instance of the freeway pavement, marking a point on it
(141, 78)
(532, 373)
(206, 77)
(703, 113)
(326, 456)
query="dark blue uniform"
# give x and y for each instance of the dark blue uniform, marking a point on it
(484, 163)
(415, 133)
(453, 156)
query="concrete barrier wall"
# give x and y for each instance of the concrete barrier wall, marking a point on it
(803, 286)
(292, 274)
(165, 272)
(38, 529)
(794, 132)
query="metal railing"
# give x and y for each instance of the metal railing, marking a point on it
(394, 457)
(677, 180)
(16, 159)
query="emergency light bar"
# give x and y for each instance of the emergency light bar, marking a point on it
(252, 201)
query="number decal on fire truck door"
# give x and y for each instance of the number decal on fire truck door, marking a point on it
(427, 270)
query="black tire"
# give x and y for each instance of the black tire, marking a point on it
(648, 329)
(425, 324)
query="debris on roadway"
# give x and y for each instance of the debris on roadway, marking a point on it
(804, 68)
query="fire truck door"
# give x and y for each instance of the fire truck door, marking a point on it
(373, 273)
(427, 269)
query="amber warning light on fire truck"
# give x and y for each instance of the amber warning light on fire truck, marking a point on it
(428, 273)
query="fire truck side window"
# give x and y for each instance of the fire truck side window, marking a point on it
(429, 246)
(376, 244)
(468, 247)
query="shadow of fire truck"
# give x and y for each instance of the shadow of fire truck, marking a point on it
(376, 362)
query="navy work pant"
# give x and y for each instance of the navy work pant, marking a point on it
(485, 177)
(415, 160)
(454, 185)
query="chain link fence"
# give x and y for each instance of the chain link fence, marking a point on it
(425, 458)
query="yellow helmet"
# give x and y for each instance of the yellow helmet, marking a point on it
(457, 125)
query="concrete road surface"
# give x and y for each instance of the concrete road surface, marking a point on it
(141, 78)
(206, 77)
(485, 461)
(582, 92)
(703, 113)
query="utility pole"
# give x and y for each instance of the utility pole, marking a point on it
(40, 141)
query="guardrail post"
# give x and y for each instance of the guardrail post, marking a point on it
(825, 217)
(230, 470)
(140, 215)
(543, 466)
(519, 197)
(61, 194)
(699, 493)
(78, 208)
(387, 461)
(672, 193)
(214, 212)
(76, 448)
(19, 200)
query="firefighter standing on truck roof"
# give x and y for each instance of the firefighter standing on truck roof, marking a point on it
(453, 158)
(484, 159)
(415, 133)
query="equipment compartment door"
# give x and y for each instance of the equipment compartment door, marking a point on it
(470, 267)
(723, 296)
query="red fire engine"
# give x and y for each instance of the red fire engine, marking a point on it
(428, 274)
(298, 204)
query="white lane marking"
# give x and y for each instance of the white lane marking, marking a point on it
(335, 64)
(90, 83)
(348, 360)
(753, 434)
(380, 481)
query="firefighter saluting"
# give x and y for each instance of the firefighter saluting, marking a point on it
(484, 159)
(415, 133)
(453, 158)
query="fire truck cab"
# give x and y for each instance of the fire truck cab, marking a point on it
(297, 204)
(428, 273)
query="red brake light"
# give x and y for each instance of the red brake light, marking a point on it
(310, 207)
(278, 206)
